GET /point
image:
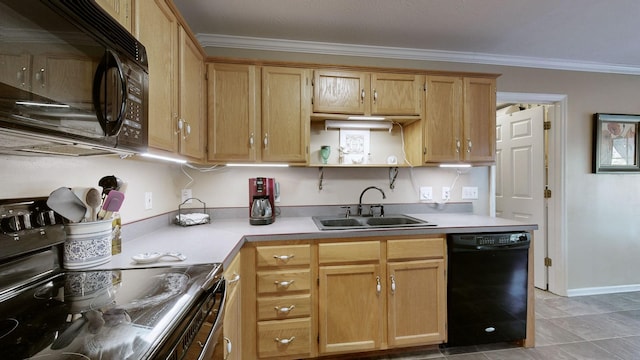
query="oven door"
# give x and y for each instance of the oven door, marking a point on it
(207, 342)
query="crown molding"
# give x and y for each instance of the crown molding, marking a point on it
(311, 47)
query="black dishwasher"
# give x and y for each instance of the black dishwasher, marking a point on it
(487, 287)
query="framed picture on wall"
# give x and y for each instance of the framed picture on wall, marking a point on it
(615, 143)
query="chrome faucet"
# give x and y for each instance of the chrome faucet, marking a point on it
(362, 193)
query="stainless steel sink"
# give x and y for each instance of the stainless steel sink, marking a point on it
(367, 222)
(340, 222)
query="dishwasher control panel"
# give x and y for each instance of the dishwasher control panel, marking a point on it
(489, 239)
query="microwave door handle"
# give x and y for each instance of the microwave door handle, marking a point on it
(109, 61)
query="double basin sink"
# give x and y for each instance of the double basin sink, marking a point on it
(368, 222)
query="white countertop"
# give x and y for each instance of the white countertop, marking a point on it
(220, 240)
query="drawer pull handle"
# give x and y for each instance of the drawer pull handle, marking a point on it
(285, 341)
(283, 258)
(236, 278)
(378, 285)
(284, 309)
(228, 341)
(284, 284)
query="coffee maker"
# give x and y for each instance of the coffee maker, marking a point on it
(261, 204)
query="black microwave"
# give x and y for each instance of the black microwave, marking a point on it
(73, 81)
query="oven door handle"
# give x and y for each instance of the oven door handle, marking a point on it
(217, 325)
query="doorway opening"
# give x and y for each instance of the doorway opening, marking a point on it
(547, 200)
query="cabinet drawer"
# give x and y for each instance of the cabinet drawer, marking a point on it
(284, 307)
(415, 248)
(285, 255)
(349, 252)
(283, 281)
(284, 337)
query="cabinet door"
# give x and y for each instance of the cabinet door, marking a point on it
(340, 92)
(285, 114)
(350, 308)
(15, 70)
(119, 10)
(232, 112)
(233, 313)
(479, 119)
(156, 29)
(192, 101)
(416, 302)
(443, 119)
(396, 94)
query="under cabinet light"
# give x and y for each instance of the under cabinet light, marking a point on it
(165, 158)
(455, 165)
(374, 118)
(357, 125)
(257, 165)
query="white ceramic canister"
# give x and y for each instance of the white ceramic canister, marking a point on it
(88, 244)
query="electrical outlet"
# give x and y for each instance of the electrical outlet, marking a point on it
(446, 193)
(148, 200)
(469, 193)
(186, 194)
(426, 193)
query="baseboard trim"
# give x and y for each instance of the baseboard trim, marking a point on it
(603, 290)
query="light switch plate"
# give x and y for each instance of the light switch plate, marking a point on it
(186, 194)
(469, 193)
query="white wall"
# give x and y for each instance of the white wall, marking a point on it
(225, 187)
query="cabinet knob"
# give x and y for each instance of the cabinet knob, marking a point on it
(283, 284)
(285, 341)
(40, 77)
(227, 348)
(21, 76)
(283, 258)
(251, 141)
(375, 96)
(469, 145)
(284, 309)
(362, 95)
(378, 285)
(457, 145)
(393, 284)
(235, 279)
(266, 140)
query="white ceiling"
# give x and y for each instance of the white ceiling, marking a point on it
(585, 35)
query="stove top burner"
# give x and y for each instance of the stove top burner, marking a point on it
(7, 326)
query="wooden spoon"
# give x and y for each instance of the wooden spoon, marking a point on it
(93, 199)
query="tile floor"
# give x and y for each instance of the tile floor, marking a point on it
(599, 327)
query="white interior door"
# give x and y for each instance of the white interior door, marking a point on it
(520, 177)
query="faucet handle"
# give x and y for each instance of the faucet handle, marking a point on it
(376, 206)
(347, 211)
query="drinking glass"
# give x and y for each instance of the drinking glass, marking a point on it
(325, 151)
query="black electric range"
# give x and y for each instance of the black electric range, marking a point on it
(47, 312)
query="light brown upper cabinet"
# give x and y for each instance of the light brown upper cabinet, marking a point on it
(233, 111)
(176, 82)
(286, 109)
(459, 122)
(119, 10)
(362, 93)
(479, 119)
(158, 31)
(191, 105)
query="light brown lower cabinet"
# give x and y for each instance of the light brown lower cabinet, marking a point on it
(344, 296)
